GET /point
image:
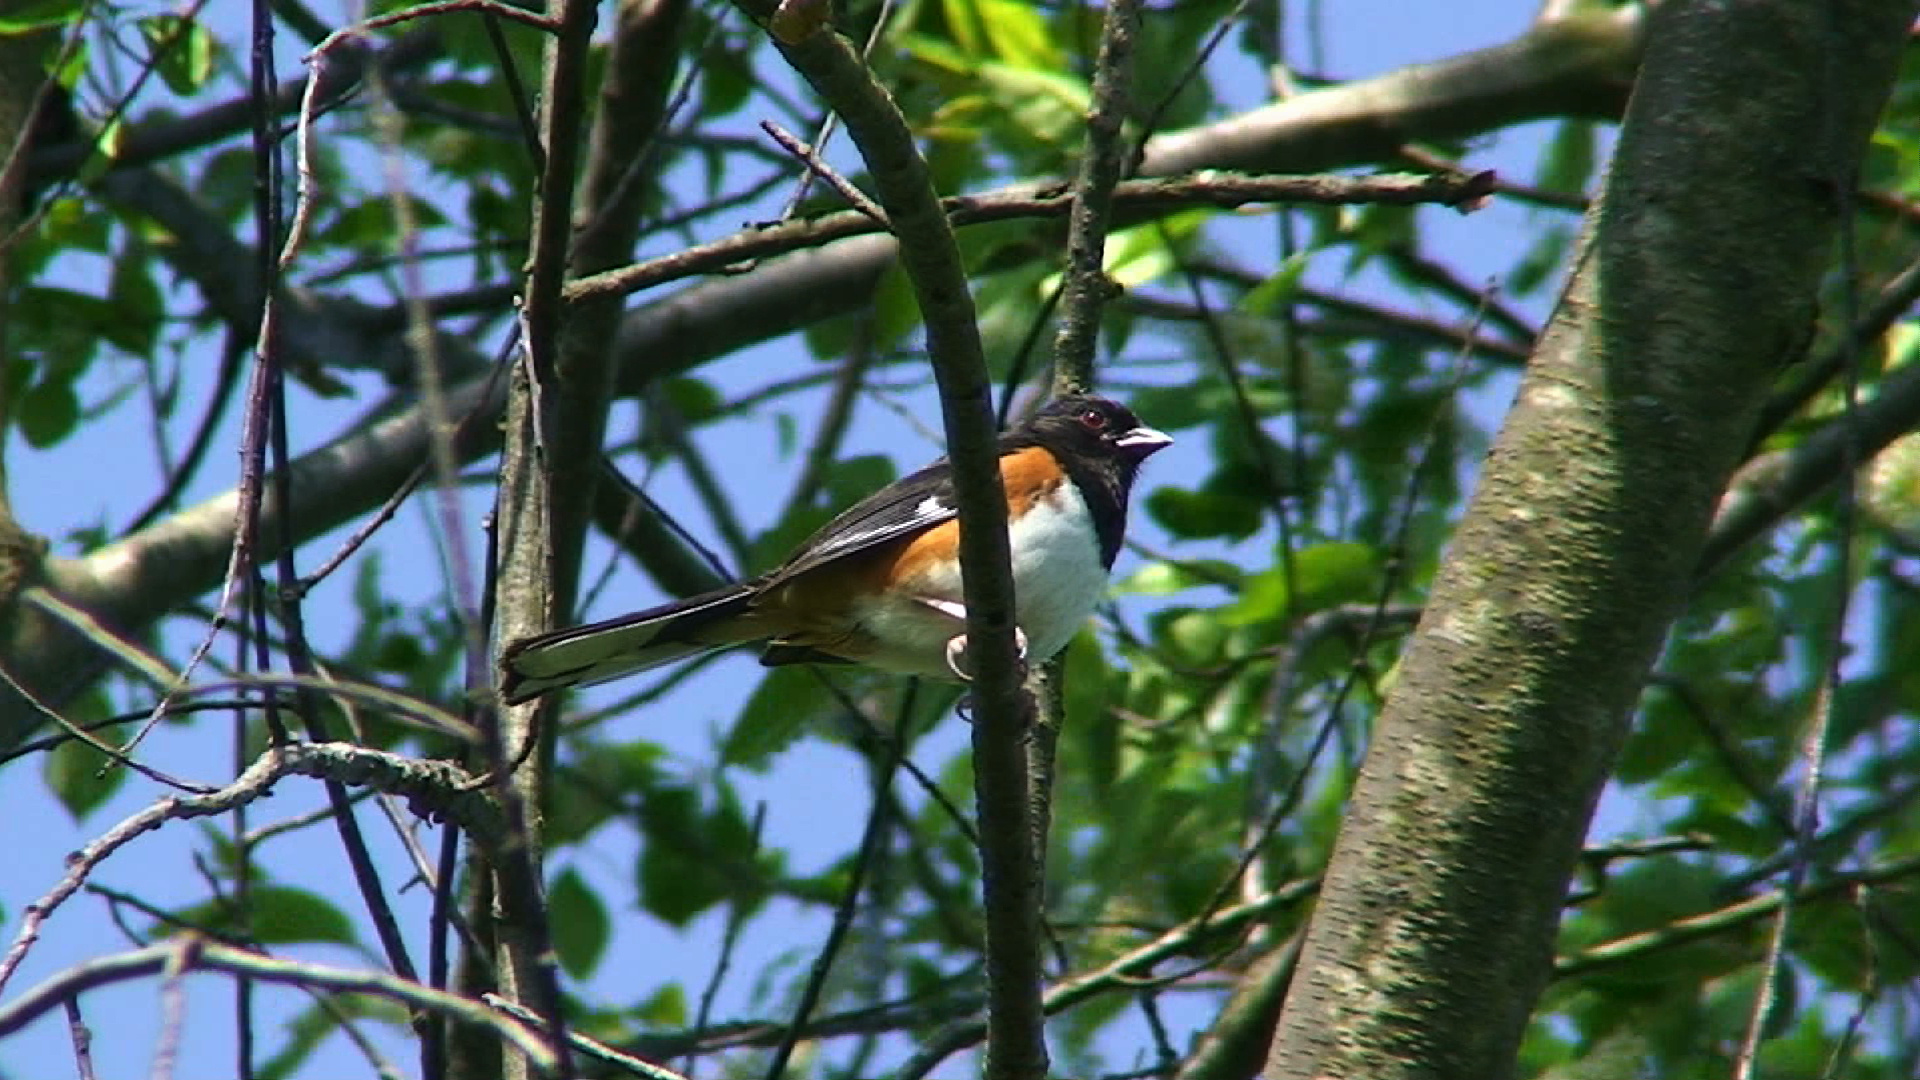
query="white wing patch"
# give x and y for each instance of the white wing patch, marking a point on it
(932, 510)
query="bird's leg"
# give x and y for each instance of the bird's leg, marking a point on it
(957, 644)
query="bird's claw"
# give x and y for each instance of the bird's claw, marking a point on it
(957, 654)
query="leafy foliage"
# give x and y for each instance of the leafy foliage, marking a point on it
(1334, 375)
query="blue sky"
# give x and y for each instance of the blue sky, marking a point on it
(815, 794)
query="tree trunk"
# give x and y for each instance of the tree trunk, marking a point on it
(1695, 282)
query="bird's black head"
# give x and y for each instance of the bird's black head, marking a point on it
(1101, 445)
(1098, 426)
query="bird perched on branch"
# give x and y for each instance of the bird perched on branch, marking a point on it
(880, 584)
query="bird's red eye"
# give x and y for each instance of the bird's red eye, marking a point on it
(1093, 419)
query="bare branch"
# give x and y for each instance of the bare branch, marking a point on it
(1002, 711)
(198, 954)
(440, 787)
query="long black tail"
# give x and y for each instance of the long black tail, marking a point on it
(596, 652)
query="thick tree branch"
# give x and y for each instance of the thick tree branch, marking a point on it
(1694, 284)
(538, 550)
(320, 332)
(616, 186)
(134, 581)
(1016, 1045)
(1132, 202)
(1577, 64)
(1083, 299)
(155, 141)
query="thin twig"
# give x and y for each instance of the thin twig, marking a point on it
(729, 940)
(817, 166)
(198, 954)
(1118, 972)
(843, 912)
(437, 786)
(82, 1038)
(1722, 920)
(1087, 288)
(586, 1044)
(1133, 200)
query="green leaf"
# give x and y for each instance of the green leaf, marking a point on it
(963, 24)
(1041, 107)
(896, 310)
(184, 48)
(1019, 35)
(581, 802)
(1891, 491)
(691, 859)
(1096, 730)
(726, 81)
(372, 224)
(1164, 55)
(695, 400)
(1543, 258)
(1138, 256)
(48, 413)
(1194, 637)
(581, 928)
(311, 1026)
(67, 329)
(1006, 299)
(23, 16)
(1179, 407)
(139, 311)
(1568, 162)
(1167, 578)
(1277, 289)
(76, 772)
(1666, 735)
(1143, 254)
(787, 701)
(1203, 514)
(225, 186)
(664, 1008)
(937, 56)
(1370, 230)
(74, 224)
(854, 478)
(274, 915)
(1327, 575)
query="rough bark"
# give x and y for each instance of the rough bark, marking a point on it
(1695, 281)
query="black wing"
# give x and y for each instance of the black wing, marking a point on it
(917, 501)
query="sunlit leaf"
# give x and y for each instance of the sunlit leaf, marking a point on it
(579, 923)
(185, 49)
(78, 775)
(273, 915)
(786, 703)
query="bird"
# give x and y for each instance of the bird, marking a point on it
(880, 585)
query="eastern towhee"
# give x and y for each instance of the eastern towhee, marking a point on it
(880, 584)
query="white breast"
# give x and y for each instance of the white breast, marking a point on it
(1057, 576)
(1057, 581)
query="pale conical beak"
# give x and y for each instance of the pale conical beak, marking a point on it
(1143, 441)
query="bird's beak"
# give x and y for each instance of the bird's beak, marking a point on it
(1143, 441)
